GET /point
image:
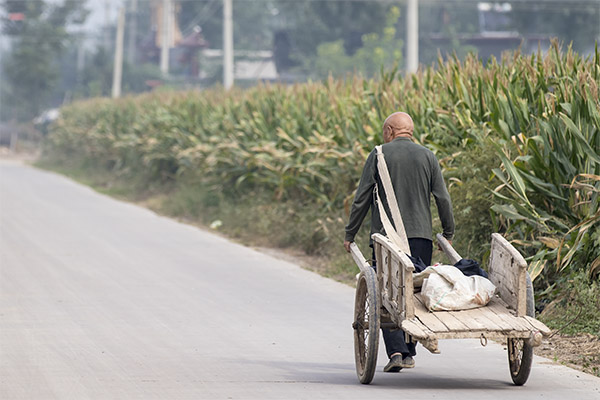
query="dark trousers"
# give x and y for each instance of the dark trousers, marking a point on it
(394, 338)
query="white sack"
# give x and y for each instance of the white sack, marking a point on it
(445, 287)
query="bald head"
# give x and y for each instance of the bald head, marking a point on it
(397, 124)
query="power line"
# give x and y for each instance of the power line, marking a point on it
(561, 2)
(203, 15)
(403, 1)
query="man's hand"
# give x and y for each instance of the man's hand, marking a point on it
(347, 245)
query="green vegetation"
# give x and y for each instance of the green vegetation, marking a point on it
(376, 51)
(518, 139)
(31, 69)
(48, 61)
(576, 307)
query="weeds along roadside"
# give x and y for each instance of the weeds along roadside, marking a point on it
(517, 138)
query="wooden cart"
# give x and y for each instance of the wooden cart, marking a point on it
(386, 299)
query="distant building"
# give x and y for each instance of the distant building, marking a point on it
(249, 65)
(190, 57)
(495, 33)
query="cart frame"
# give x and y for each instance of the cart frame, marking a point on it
(386, 299)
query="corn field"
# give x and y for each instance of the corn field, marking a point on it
(533, 121)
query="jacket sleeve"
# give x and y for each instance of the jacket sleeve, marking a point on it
(442, 201)
(362, 199)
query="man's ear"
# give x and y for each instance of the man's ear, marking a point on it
(386, 133)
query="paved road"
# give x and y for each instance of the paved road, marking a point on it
(101, 299)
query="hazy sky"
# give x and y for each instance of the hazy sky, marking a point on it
(98, 12)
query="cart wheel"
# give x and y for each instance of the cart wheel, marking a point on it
(366, 326)
(520, 351)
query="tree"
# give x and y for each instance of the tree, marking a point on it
(577, 22)
(252, 22)
(308, 24)
(377, 51)
(96, 77)
(293, 29)
(573, 21)
(39, 37)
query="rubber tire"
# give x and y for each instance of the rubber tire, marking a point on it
(366, 326)
(520, 351)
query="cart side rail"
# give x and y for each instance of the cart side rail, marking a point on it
(508, 271)
(394, 278)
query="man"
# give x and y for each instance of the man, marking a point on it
(415, 175)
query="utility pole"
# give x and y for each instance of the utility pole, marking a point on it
(412, 36)
(106, 38)
(131, 40)
(227, 45)
(165, 35)
(118, 67)
(80, 57)
(80, 61)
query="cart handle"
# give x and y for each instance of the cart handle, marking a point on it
(358, 257)
(447, 248)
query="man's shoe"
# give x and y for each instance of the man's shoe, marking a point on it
(398, 362)
(408, 362)
(395, 364)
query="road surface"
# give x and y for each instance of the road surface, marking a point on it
(101, 299)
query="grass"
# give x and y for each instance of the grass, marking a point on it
(575, 307)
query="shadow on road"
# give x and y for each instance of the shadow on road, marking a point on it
(345, 374)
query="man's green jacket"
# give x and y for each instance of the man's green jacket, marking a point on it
(416, 175)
